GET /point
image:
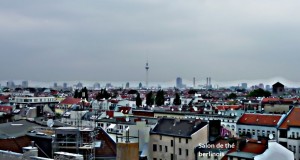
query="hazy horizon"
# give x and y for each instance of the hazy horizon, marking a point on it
(164, 84)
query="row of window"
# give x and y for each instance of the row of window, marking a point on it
(166, 150)
(179, 140)
(293, 149)
(20, 100)
(255, 131)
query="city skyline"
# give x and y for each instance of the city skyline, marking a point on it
(111, 41)
(164, 84)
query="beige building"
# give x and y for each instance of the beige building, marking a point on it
(174, 139)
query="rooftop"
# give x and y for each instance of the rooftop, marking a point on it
(180, 128)
(292, 119)
(259, 119)
(16, 129)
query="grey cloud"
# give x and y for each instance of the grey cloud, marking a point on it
(111, 40)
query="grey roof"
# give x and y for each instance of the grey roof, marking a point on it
(242, 155)
(177, 128)
(16, 129)
(41, 121)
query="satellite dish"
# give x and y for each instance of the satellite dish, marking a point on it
(271, 136)
(50, 123)
(232, 114)
(127, 119)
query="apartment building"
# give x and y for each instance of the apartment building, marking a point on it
(289, 132)
(257, 126)
(175, 139)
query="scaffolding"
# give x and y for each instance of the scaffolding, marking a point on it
(75, 140)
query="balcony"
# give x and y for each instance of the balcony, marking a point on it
(294, 137)
(114, 131)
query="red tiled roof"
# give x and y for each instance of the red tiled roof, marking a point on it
(267, 100)
(4, 98)
(226, 107)
(110, 114)
(124, 110)
(292, 119)
(70, 101)
(251, 146)
(256, 148)
(6, 109)
(259, 119)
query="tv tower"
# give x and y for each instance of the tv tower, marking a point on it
(147, 68)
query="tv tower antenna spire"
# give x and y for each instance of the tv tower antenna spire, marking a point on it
(147, 68)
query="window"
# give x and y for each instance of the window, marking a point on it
(293, 134)
(179, 140)
(172, 157)
(154, 148)
(160, 148)
(160, 137)
(154, 159)
(253, 132)
(166, 148)
(187, 152)
(179, 150)
(186, 141)
(171, 143)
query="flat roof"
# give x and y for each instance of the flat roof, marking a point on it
(242, 155)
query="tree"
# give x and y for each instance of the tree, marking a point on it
(84, 93)
(138, 100)
(132, 91)
(177, 100)
(192, 91)
(232, 96)
(160, 98)
(76, 94)
(103, 94)
(259, 93)
(149, 99)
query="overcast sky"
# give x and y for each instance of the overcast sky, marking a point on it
(110, 40)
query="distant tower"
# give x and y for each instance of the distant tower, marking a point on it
(194, 82)
(147, 68)
(179, 82)
(24, 84)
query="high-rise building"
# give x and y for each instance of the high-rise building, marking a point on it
(244, 85)
(79, 85)
(65, 85)
(127, 85)
(108, 85)
(140, 85)
(179, 82)
(261, 86)
(97, 85)
(268, 87)
(10, 84)
(55, 85)
(25, 84)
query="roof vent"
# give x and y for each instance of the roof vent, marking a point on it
(257, 120)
